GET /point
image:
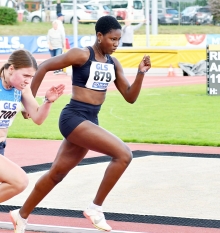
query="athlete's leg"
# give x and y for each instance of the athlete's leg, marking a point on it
(98, 139)
(90, 136)
(13, 179)
(68, 156)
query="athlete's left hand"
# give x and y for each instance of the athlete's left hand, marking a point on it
(55, 92)
(145, 64)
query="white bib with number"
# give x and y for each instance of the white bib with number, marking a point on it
(100, 76)
(8, 110)
(10, 105)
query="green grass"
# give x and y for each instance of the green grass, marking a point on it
(170, 115)
(27, 28)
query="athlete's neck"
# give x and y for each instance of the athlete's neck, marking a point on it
(5, 81)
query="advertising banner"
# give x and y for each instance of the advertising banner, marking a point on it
(38, 44)
(181, 40)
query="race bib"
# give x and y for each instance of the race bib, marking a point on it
(8, 111)
(100, 76)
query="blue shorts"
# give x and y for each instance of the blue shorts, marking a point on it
(2, 147)
(75, 113)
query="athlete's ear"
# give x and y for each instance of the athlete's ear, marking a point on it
(11, 69)
(99, 37)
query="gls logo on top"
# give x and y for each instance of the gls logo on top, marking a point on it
(102, 67)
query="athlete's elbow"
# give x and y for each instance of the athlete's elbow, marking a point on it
(131, 100)
(38, 121)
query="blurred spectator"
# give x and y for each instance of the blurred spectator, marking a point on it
(47, 10)
(60, 18)
(56, 42)
(58, 7)
(128, 33)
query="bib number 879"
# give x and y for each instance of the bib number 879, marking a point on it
(100, 76)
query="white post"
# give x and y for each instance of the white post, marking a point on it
(75, 24)
(154, 17)
(179, 13)
(147, 6)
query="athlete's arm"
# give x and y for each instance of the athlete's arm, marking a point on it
(74, 56)
(131, 92)
(36, 112)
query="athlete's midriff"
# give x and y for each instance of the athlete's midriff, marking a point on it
(87, 95)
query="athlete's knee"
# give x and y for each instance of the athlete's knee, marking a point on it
(21, 183)
(126, 155)
(57, 176)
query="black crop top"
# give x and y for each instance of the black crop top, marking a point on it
(80, 74)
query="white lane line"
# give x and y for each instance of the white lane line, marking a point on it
(50, 228)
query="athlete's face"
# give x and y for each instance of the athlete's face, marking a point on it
(110, 41)
(20, 78)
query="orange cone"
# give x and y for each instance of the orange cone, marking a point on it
(171, 71)
(67, 44)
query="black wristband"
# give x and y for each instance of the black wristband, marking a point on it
(47, 100)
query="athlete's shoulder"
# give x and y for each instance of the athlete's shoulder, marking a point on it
(79, 55)
(79, 50)
(114, 59)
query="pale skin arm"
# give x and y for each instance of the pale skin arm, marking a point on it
(131, 92)
(36, 112)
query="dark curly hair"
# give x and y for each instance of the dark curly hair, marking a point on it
(106, 23)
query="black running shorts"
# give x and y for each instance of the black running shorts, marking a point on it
(75, 113)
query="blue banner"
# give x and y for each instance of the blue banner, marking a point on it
(37, 44)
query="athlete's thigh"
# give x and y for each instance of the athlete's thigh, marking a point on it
(9, 171)
(68, 156)
(94, 137)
